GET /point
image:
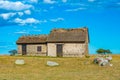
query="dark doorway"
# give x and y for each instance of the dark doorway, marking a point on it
(24, 49)
(59, 48)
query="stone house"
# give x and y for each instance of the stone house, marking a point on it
(32, 45)
(59, 43)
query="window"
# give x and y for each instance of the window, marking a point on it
(39, 48)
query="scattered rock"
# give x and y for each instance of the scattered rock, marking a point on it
(111, 65)
(109, 58)
(51, 63)
(103, 61)
(19, 62)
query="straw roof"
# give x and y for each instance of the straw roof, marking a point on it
(32, 39)
(57, 35)
(68, 35)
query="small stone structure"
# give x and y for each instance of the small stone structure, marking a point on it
(59, 43)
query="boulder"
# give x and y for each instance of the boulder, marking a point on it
(51, 63)
(19, 62)
(109, 58)
(101, 61)
(111, 65)
(104, 63)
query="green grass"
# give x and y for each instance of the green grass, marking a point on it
(69, 69)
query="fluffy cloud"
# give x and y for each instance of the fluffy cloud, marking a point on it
(22, 32)
(26, 21)
(49, 1)
(20, 13)
(17, 6)
(6, 16)
(27, 12)
(57, 19)
(77, 9)
(34, 1)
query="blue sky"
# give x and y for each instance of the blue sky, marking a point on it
(24, 17)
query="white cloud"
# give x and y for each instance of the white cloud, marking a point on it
(37, 30)
(49, 1)
(20, 13)
(64, 1)
(22, 32)
(91, 0)
(77, 9)
(26, 21)
(17, 6)
(43, 21)
(34, 1)
(78, 4)
(6, 16)
(27, 12)
(57, 19)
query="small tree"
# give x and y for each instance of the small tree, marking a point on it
(108, 51)
(13, 52)
(103, 51)
(100, 51)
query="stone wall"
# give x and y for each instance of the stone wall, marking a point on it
(74, 49)
(32, 49)
(51, 49)
(19, 49)
(69, 49)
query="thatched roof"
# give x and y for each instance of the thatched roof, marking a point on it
(68, 35)
(57, 35)
(32, 39)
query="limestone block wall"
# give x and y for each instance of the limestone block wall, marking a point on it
(69, 49)
(51, 49)
(74, 49)
(32, 49)
(19, 49)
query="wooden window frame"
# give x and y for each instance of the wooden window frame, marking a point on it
(39, 48)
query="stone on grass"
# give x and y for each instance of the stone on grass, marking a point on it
(95, 61)
(111, 65)
(19, 62)
(102, 61)
(109, 58)
(51, 63)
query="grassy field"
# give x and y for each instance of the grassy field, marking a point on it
(69, 69)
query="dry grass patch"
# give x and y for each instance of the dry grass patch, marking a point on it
(69, 69)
